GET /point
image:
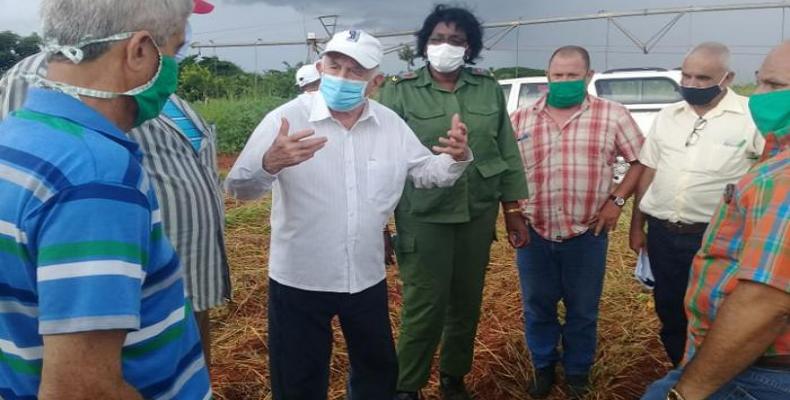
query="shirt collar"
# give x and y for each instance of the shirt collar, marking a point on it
(728, 103)
(319, 110)
(61, 105)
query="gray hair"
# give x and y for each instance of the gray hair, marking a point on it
(71, 22)
(713, 49)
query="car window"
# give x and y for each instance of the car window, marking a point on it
(639, 90)
(506, 89)
(530, 92)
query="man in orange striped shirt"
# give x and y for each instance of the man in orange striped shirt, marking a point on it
(738, 300)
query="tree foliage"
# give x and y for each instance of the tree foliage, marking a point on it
(14, 48)
(212, 78)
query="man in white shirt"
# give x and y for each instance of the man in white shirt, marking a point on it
(695, 149)
(336, 181)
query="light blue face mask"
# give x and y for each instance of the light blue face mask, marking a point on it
(342, 94)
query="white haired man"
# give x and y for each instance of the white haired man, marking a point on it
(694, 150)
(180, 157)
(93, 293)
(337, 163)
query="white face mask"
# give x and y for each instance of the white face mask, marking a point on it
(183, 51)
(446, 57)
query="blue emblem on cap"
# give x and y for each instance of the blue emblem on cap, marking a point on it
(353, 35)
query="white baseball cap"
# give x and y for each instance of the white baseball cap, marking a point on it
(359, 45)
(306, 75)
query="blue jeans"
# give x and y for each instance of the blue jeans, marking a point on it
(752, 384)
(571, 271)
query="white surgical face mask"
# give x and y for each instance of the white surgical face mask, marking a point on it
(183, 51)
(446, 57)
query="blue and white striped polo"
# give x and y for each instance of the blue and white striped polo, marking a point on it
(82, 249)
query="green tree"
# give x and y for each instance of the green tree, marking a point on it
(220, 67)
(407, 55)
(510, 72)
(14, 48)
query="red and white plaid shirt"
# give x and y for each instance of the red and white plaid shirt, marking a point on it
(569, 168)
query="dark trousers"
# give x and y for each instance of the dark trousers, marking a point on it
(572, 271)
(300, 342)
(670, 256)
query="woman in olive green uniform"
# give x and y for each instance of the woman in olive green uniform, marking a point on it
(445, 235)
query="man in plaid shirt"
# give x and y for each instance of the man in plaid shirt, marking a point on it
(738, 299)
(569, 141)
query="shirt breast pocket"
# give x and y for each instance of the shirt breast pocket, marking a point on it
(482, 118)
(384, 183)
(723, 158)
(428, 124)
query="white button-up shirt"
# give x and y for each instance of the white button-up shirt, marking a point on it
(690, 180)
(328, 212)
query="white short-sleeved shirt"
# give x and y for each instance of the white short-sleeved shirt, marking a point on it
(690, 180)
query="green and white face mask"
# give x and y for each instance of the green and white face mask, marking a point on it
(150, 97)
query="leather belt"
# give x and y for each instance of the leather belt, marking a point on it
(781, 363)
(680, 228)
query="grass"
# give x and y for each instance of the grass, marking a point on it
(629, 354)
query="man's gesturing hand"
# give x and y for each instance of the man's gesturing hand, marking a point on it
(289, 150)
(455, 142)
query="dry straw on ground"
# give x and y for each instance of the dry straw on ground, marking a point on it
(629, 355)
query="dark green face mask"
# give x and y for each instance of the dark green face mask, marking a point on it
(567, 94)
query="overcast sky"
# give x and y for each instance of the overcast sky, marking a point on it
(750, 34)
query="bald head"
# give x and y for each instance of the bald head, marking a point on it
(707, 65)
(774, 74)
(717, 53)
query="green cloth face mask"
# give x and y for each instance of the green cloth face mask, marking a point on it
(150, 97)
(771, 112)
(567, 94)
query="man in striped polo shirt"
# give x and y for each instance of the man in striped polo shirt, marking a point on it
(92, 302)
(180, 156)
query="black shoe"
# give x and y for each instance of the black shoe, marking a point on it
(452, 388)
(407, 396)
(540, 387)
(578, 385)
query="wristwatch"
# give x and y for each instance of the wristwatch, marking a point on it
(617, 200)
(674, 395)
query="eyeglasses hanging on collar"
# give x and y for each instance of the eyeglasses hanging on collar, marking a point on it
(699, 125)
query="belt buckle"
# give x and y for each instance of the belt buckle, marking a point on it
(678, 226)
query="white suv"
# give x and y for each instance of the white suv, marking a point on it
(643, 91)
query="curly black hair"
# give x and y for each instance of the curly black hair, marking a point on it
(463, 20)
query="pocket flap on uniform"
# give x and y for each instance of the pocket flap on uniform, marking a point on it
(483, 109)
(491, 167)
(427, 112)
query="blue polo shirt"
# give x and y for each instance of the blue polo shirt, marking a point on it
(82, 249)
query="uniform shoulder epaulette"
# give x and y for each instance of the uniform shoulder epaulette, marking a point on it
(481, 72)
(404, 76)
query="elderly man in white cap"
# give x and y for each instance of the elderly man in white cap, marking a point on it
(308, 78)
(337, 163)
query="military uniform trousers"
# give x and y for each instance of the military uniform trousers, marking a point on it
(442, 266)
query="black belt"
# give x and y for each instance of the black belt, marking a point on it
(680, 228)
(780, 363)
